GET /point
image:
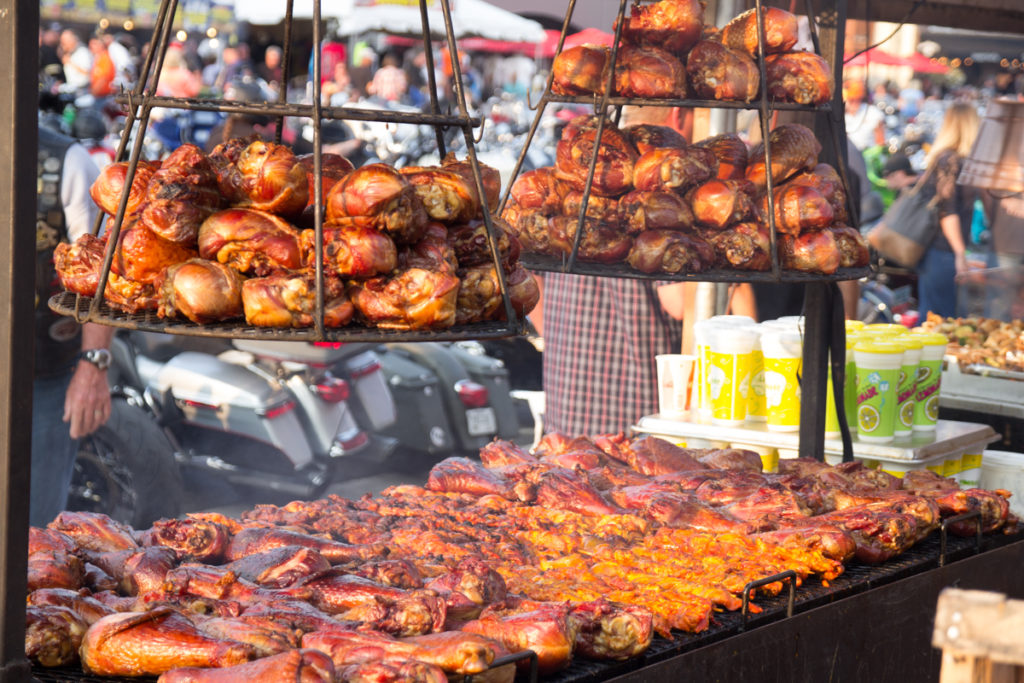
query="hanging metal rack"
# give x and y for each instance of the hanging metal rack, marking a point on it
(139, 104)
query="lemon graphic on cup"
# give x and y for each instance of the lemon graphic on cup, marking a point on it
(931, 408)
(907, 414)
(867, 418)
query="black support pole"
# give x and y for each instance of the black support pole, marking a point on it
(19, 50)
(819, 298)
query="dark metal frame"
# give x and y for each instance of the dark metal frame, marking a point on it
(140, 102)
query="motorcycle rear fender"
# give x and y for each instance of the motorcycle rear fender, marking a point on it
(214, 394)
(326, 422)
(370, 390)
(417, 392)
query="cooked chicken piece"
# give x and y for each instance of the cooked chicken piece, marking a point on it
(202, 291)
(716, 72)
(800, 77)
(580, 70)
(780, 31)
(648, 72)
(673, 25)
(669, 251)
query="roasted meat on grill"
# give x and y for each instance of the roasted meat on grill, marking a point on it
(462, 475)
(546, 630)
(669, 251)
(530, 226)
(616, 155)
(605, 209)
(446, 195)
(469, 587)
(353, 248)
(801, 77)
(381, 193)
(267, 177)
(657, 210)
(780, 31)
(718, 204)
(150, 643)
(142, 255)
(85, 607)
(280, 567)
(250, 241)
(333, 167)
(53, 634)
(433, 251)
(78, 265)
(580, 70)
(812, 252)
(798, 209)
(538, 189)
(666, 168)
(673, 25)
(561, 489)
(472, 247)
(94, 531)
(455, 652)
(717, 72)
(854, 251)
(600, 242)
(138, 571)
(55, 569)
(647, 136)
(193, 540)
(745, 246)
(285, 300)
(523, 291)
(256, 540)
(410, 299)
(825, 180)
(182, 193)
(648, 72)
(297, 666)
(794, 148)
(202, 291)
(107, 189)
(606, 630)
(479, 296)
(731, 153)
(489, 177)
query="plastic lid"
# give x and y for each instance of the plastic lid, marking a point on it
(908, 341)
(852, 325)
(876, 345)
(886, 327)
(931, 338)
(1004, 458)
(852, 337)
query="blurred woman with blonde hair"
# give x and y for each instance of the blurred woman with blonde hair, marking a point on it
(946, 256)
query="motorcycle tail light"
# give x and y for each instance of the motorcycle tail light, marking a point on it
(364, 370)
(279, 410)
(472, 394)
(199, 404)
(332, 389)
(328, 345)
(357, 441)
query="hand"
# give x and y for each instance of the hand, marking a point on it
(960, 260)
(87, 403)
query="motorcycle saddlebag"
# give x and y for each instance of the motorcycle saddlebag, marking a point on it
(493, 374)
(423, 422)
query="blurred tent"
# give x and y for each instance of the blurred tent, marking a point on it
(923, 65)
(874, 56)
(470, 18)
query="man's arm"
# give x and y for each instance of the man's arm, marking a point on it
(87, 403)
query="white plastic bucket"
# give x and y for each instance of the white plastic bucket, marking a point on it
(1005, 470)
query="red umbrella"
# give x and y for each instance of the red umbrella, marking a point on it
(923, 65)
(874, 56)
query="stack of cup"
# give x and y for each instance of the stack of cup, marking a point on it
(702, 342)
(782, 347)
(675, 383)
(929, 379)
(730, 364)
(849, 390)
(878, 367)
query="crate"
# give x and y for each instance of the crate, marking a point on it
(980, 634)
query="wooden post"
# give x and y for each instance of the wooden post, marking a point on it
(981, 635)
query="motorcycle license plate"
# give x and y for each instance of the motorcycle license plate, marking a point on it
(481, 421)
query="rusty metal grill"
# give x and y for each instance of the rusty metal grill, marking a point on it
(858, 578)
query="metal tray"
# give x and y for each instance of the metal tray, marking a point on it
(948, 438)
(988, 390)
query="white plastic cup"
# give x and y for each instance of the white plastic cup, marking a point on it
(783, 354)
(675, 383)
(730, 365)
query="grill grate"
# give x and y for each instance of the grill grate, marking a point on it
(857, 578)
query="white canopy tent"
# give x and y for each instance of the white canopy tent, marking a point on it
(470, 18)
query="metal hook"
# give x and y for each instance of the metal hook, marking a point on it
(478, 138)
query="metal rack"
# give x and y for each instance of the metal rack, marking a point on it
(141, 101)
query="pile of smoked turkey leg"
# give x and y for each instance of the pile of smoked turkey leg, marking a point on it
(214, 238)
(666, 206)
(585, 547)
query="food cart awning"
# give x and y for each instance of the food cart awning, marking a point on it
(402, 17)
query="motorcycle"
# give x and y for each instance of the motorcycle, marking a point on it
(275, 418)
(457, 397)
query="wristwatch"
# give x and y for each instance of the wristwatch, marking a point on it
(98, 357)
